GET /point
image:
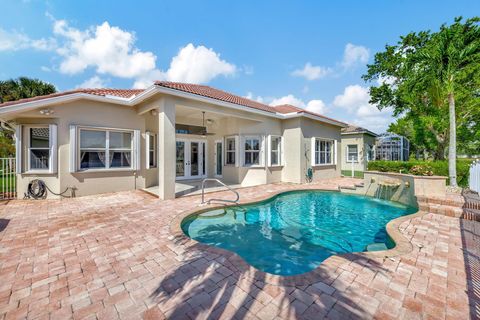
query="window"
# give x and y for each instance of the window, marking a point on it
(39, 149)
(352, 153)
(252, 151)
(151, 143)
(105, 149)
(230, 151)
(275, 150)
(323, 151)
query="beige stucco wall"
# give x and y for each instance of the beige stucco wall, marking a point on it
(361, 140)
(314, 129)
(89, 114)
(297, 134)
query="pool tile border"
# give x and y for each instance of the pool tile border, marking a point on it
(403, 246)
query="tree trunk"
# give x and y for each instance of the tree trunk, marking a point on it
(452, 147)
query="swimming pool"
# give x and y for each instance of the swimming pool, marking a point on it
(293, 232)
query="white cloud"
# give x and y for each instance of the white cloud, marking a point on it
(45, 69)
(311, 72)
(93, 82)
(14, 41)
(317, 105)
(252, 97)
(198, 65)
(354, 55)
(191, 64)
(355, 101)
(109, 50)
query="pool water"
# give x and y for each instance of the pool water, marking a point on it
(294, 232)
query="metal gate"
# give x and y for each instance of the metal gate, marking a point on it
(474, 179)
(8, 179)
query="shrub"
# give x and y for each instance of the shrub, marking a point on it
(417, 167)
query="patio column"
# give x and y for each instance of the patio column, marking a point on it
(166, 149)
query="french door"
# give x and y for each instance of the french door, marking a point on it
(191, 159)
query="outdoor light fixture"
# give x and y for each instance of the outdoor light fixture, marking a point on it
(154, 112)
(46, 112)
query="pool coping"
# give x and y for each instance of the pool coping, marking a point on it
(402, 246)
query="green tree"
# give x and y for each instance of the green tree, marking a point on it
(23, 87)
(432, 78)
(16, 89)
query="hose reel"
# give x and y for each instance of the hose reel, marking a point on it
(38, 189)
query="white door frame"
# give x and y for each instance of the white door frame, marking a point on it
(216, 159)
(187, 158)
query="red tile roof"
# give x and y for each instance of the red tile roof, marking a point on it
(121, 93)
(216, 94)
(201, 90)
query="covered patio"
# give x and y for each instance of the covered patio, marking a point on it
(194, 187)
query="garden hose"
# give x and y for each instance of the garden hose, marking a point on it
(37, 189)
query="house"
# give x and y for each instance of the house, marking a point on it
(358, 149)
(108, 140)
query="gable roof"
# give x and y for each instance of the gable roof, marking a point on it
(351, 129)
(288, 108)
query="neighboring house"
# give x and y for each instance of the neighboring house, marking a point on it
(358, 149)
(108, 140)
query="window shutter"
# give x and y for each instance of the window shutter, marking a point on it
(18, 148)
(53, 149)
(238, 151)
(335, 152)
(73, 149)
(312, 152)
(269, 150)
(136, 149)
(147, 149)
(282, 153)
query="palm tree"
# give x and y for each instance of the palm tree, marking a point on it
(451, 57)
(23, 87)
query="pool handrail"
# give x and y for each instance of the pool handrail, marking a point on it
(221, 200)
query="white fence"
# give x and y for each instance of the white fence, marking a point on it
(474, 179)
(8, 179)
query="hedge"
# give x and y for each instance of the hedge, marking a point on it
(417, 167)
(348, 173)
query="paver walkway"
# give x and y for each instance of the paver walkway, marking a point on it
(113, 256)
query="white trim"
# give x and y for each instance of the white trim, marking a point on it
(348, 153)
(150, 135)
(332, 150)
(136, 149)
(18, 148)
(52, 140)
(73, 149)
(215, 163)
(28, 148)
(187, 159)
(260, 139)
(150, 91)
(236, 139)
(279, 150)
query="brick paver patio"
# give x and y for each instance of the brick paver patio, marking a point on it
(114, 256)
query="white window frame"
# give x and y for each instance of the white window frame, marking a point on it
(259, 151)
(52, 148)
(133, 149)
(279, 151)
(148, 137)
(215, 154)
(333, 152)
(349, 160)
(234, 151)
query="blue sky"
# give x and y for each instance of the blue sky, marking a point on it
(308, 53)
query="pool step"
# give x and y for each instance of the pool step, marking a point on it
(377, 247)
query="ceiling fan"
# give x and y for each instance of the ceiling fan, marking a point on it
(204, 127)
